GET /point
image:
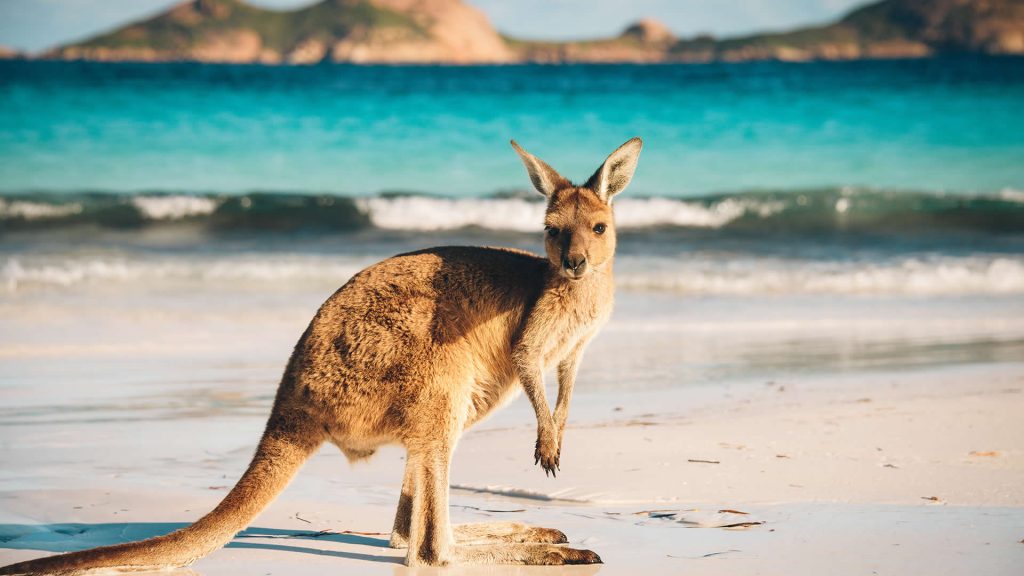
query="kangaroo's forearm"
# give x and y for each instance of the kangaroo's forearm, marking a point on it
(528, 359)
(566, 380)
(532, 380)
(567, 370)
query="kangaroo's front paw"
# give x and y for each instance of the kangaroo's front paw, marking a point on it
(547, 454)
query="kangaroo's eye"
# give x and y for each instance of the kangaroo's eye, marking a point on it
(551, 230)
(600, 228)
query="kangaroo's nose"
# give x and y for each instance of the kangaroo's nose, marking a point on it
(576, 264)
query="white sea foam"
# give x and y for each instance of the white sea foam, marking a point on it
(698, 275)
(173, 207)
(1012, 195)
(652, 212)
(911, 276)
(21, 273)
(431, 214)
(36, 210)
(516, 214)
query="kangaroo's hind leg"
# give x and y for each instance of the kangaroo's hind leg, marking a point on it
(403, 516)
(476, 533)
(431, 538)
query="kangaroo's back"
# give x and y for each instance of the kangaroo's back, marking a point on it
(447, 315)
(438, 295)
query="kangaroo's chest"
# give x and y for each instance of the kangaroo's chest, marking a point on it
(570, 330)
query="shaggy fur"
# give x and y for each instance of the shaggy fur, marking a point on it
(415, 350)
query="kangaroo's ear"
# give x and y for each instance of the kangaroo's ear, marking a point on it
(614, 175)
(544, 177)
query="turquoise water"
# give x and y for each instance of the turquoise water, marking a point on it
(953, 125)
(889, 178)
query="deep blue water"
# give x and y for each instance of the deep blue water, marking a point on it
(954, 125)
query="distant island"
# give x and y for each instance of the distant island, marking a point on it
(7, 53)
(453, 32)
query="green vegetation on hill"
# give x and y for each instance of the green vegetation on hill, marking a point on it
(184, 26)
(936, 25)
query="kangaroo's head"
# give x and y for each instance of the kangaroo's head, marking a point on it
(579, 228)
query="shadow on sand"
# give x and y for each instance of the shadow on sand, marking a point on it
(71, 537)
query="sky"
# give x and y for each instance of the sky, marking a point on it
(32, 25)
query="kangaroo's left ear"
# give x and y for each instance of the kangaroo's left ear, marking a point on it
(545, 179)
(614, 175)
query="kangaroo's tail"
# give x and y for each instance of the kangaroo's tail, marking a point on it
(282, 451)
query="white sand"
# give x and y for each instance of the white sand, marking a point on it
(883, 452)
(841, 473)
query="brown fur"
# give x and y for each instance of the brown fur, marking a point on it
(415, 350)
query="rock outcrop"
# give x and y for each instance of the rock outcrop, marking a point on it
(649, 31)
(7, 53)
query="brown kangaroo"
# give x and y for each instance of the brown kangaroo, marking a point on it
(415, 350)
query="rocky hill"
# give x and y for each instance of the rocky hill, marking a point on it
(333, 30)
(7, 53)
(645, 41)
(886, 29)
(450, 31)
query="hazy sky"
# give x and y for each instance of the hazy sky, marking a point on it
(36, 24)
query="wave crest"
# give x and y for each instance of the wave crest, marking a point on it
(824, 210)
(178, 207)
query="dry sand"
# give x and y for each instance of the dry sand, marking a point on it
(914, 472)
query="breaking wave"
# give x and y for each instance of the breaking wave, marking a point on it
(823, 210)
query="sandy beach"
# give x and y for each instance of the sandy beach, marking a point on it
(688, 452)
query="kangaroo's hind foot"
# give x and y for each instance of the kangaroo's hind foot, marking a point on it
(528, 554)
(508, 532)
(493, 533)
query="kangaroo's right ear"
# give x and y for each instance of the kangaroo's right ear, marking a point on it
(544, 177)
(614, 175)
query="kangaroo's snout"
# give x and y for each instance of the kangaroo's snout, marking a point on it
(574, 266)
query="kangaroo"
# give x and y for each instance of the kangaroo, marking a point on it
(415, 350)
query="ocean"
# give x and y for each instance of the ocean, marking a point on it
(875, 176)
(784, 216)
(952, 125)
